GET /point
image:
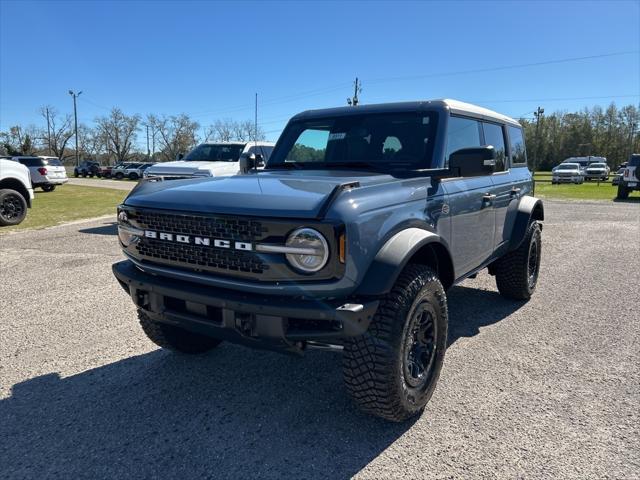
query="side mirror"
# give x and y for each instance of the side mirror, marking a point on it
(250, 162)
(180, 156)
(473, 162)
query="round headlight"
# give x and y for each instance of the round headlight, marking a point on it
(314, 250)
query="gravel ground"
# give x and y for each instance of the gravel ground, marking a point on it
(544, 389)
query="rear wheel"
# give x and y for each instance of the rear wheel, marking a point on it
(623, 191)
(48, 188)
(13, 207)
(517, 271)
(76, 174)
(391, 371)
(175, 338)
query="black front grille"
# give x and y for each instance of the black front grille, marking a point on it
(201, 257)
(214, 227)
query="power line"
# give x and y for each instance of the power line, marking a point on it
(504, 67)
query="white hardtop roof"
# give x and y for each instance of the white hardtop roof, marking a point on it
(456, 106)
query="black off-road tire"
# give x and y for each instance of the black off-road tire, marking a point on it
(515, 269)
(76, 174)
(48, 188)
(175, 338)
(13, 207)
(375, 364)
(623, 191)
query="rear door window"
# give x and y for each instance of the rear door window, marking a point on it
(516, 146)
(32, 162)
(462, 133)
(493, 135)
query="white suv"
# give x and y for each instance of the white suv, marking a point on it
(46, 172)
(16, 193)
(210, 160)
(630, 180)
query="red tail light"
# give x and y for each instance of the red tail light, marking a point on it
(626, 172)
(42, 170)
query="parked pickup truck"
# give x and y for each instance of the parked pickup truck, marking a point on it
(630, 180)
(210, 160)
(348, 240)
(16, 192)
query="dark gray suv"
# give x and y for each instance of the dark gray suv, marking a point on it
(348, 239)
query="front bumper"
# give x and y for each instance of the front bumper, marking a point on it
(261, 321)
(574, 179)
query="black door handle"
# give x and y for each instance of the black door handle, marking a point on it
(515, 191)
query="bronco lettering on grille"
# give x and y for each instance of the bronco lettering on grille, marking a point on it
(204, 241)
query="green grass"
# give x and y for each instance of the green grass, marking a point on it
(569, 191)
(68, 203)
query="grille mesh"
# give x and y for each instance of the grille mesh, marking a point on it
(200, 256)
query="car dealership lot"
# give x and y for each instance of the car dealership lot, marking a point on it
(543, 389)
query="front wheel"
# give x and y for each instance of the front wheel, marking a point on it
(175, 338)
(13, 207)
(517, 271)
(391, 371)
(119, 176)
(48, 188)
(133, 176)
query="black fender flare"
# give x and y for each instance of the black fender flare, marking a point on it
(529, 208)
(393, 257)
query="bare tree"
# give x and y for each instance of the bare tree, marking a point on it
(20, 141)
(228, 130)
(176, 134)
(59, 130)
(92, 142)
(120, 131)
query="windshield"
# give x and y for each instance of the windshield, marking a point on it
(215, 153)
(390, 140)
(568, 166)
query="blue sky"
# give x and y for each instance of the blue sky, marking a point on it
(208, 59)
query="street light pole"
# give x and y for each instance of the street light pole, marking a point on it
(75, 117)
(538, 114)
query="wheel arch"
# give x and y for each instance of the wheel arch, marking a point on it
(18, 186)
(529, 208)
(412, 245)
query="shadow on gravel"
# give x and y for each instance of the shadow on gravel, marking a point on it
(110, 228)
(233, 413)
(627, 200)
(470, 309)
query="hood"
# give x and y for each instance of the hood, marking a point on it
(182, 167)
(266, 194)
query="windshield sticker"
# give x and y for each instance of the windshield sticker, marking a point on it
(337, 136)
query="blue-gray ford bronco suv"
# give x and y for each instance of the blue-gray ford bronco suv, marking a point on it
(348, 239)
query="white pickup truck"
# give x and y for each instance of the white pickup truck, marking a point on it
(16, 192)
(217, 159)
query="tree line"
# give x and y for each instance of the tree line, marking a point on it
(114, 137)
(610, 132)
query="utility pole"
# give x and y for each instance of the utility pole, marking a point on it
(148, 151)
(538, 114)
(48, 132)
(75, 117)
(357, 88)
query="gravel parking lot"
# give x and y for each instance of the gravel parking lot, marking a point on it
(544, 389)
